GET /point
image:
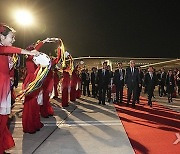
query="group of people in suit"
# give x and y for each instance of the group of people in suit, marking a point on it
(133, 78)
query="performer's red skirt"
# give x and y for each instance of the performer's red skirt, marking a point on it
(6, 140)
(65, 97)
(73, 94)
(78, 93)
(31, 116)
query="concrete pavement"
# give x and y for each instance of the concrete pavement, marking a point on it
(83, 127)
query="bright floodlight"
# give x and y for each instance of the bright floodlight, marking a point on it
(24, 17)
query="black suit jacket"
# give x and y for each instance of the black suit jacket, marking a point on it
(93, 78)
(132, 80)
(117, 80)
(170, 81)
(103, 80)
(150, 83)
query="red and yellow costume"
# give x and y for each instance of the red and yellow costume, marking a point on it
(30, 116)
(73, 85)
(6, 140)
(65, 87)
(78, 91)
(46, 109)
(56, 82)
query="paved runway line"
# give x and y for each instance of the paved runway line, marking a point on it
(91, 123)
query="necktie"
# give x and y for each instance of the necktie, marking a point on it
(132, 70)
(151, 75)
(120, 72)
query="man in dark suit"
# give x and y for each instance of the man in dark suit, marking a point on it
(150, 82)
(132, 82)
(109, 87)
(85, 80)
(103, 80)
(94, 81)
(162, 82)
(119, 76)
(141, 77)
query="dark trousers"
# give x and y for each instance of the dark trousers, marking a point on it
(170, 91)
(109, 94)
(162, 90)
(178, 85)
(102, 94)
(94, 90)
(150, 95)
(119, 93)
(139, 89)
(86, 89)
(130, 91)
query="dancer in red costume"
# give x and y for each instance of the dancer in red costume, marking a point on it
(56, 82)
(65, 87)
(7, 38)
(78, 91)
(73, 85)
(30, 116)
(46, 109)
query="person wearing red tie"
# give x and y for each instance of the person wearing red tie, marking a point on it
(7, 38)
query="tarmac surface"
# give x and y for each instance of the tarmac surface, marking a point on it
(82, 127)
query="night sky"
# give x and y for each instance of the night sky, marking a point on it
(125, 28)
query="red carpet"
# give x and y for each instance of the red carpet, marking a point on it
(151, 130)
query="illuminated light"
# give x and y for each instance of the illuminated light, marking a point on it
(24, 17)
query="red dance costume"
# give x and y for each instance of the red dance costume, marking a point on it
(46, 109)
(78, 91)
(73, 86)
(65, 87)
(31, 116)
(56, 82)
(6, 140)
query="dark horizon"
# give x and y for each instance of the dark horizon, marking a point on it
(102, 28)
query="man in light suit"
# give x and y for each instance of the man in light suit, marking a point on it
(132, 81)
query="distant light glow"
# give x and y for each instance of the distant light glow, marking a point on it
(24, 17)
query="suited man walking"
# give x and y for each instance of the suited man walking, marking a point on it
(94, 81)
(132, 82)
(162, 83)
(103, 80)
(141, 77)
(119, 76)
(150, 82)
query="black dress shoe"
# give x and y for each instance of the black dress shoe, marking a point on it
(133, 106)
